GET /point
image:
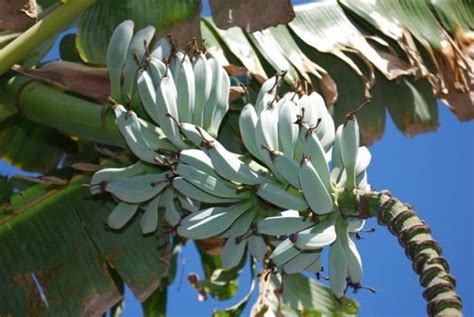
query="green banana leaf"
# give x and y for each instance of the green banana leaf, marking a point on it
(62, 260)
(95, 26)
(31, 146)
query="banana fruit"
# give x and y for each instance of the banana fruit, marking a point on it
(278, 202)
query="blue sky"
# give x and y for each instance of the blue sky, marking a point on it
(434, 173)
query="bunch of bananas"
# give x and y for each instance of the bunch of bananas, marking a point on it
(282, 207)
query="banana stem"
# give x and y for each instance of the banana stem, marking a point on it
(414, 236)
(51, 107)
(52, 24)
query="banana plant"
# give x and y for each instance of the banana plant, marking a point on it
(293, 184)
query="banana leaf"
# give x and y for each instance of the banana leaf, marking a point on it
(95, 26)
(62, 260)
(31, 146)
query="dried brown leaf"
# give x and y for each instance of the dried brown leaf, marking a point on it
(185, 32)
(251, 15)
(329, 89)
(87, 81)
(236, 92)
(85, 167)
(17, 14)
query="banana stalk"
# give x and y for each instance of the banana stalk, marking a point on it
(414, 235)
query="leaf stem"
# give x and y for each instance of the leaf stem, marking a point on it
(50, 25)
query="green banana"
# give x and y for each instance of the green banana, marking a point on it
(136, 49)
(149, 220)
(316, 237)
(277, 196)
(183, 75)
(282, 225)
(198, 159)
(162, 49)
(314, 191)
(349, 149)
(147, 91)
(116, 54)
(247, 125)
(203, 81)
(172, 213)
(300, 262)
(242, 224)
(129, 127)
(267, 93)
(287, 167)
(283, 253)
(212, 185)
(168, 111)
(111, 174)
(315, 152)
(211, 101)
(314, 267)
(188, 189)
(138, 188)
(211, 222)
(232, 252)
(229, 166)
(337, 269)
(221, 107)
(121, 214)
(288, 130)
(257, 247)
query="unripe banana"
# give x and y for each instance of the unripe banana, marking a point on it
(316, 237)
(147, 91)
(336, 160)
(212, 221)
(229, 166)
(283, 225)
(300, 262)
(283, 253)
(268, 91)
(233, 252)
(257, 247)
(280, 197)
(194, 133)
(136, 50)
(355, 225)
(353, 259)
(162, 49)
(287, 167)
(349, 148)
(198, 159)
(337, 269)
(168, 112)
(314, 191)
(116, 54)
(222, 101)
(121, 214)
(149, 220)
(157, 70)
(186, 202)
(242, 224)
(315, 152)
(183, 75)
(211, 101)
(112, 174)
(188, 189)
(288, 130)
(172, 214)
(247, 125)
(139, 188)
(363, 160)
(129, 126)
(212, 185)
(314, 267)
(203, 81)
